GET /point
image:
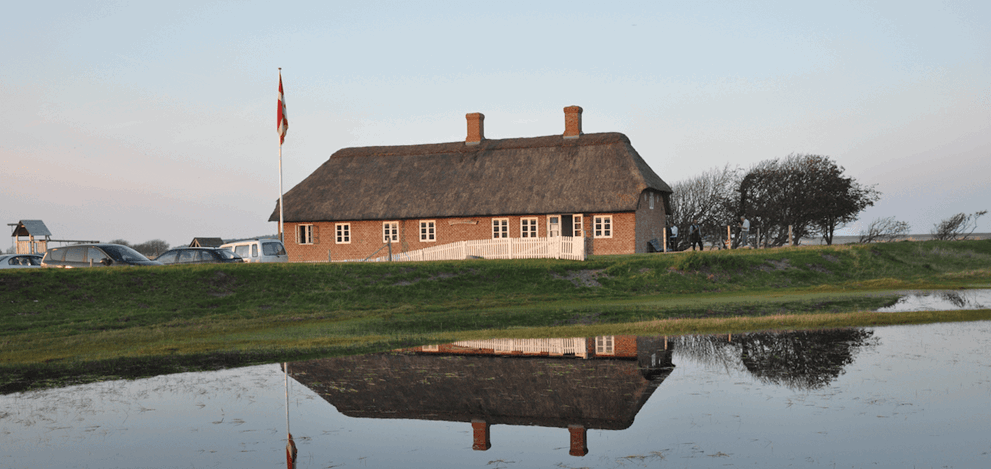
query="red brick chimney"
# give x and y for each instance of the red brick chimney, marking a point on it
(480, 442)
(476, 128)
(572, 121)
(579, 438)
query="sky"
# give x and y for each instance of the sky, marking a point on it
(157, 120)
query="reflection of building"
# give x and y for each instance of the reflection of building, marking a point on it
(485, 387)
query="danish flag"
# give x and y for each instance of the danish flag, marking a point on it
(283, 121)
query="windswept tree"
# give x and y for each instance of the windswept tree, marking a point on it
(883, 230)
(710, 198)
(959, 226)
(809, 193)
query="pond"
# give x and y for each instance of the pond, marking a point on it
(905, 396)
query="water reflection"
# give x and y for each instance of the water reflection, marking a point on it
(877, 397)
(799, 360)
(575, 384)
(941, 300)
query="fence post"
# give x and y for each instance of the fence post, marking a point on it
(664, 238)
(789, 236)
(729, 238)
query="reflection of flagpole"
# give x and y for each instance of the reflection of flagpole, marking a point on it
(290, 445)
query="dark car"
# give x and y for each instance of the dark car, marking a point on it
(198, 256)
(19, 261)
(94, 255)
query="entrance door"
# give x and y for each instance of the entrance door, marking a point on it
(553, 226)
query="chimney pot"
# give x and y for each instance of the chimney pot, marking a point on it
(476, 128)
(480, 438)
(572, 121)
(579, 440)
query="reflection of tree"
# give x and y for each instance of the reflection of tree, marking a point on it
(801, 360)
(953, 298)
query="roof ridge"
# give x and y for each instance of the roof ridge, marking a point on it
(544, 141)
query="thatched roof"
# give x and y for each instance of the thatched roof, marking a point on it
(591, 173)
(549, 392)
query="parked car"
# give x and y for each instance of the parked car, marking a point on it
(19, 261)
(198, 256)
(94, 255)
(259, 250)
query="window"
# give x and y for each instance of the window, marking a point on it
(500, 228)
(528, 228)
(603, 226)
(343, 233)
(428, 231)
(604, 345)
(390, 231)
(579, 226)
(651, 201)
(304, 234)
(553, 225)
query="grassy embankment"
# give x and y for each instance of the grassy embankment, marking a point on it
(66, 326)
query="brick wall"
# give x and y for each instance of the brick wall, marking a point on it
(367, 236)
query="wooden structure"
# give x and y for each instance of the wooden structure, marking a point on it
(206, 242)
(591, 186)
(31, 236)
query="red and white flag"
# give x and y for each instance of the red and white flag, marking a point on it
(283, 121)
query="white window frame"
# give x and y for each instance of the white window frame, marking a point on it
(560, 225)
(428, 231)
(578, 225)
(605, 345)
(304, 234)
(500, 228)
(392, 226)
(602, 226)
(529, 227)
(342, 233)
(651, 200)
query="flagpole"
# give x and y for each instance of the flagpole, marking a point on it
(282, 231)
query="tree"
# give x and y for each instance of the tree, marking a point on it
(809, 193)
(152, 248)
(957, 225)
(710, 198)
(883, 230)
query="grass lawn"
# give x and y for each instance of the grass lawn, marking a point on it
(67, 326)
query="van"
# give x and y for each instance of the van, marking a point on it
(259, 250)
(94, 255)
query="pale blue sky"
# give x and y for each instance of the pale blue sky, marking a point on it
(147, 120)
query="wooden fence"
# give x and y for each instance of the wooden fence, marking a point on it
(567, 346)
(557, 247)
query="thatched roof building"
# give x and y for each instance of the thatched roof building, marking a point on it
(573, 175)
(593, 173)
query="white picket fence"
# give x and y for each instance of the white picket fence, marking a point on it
(574, 346)
(557, 247)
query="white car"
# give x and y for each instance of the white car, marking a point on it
(19, 261)
(259, 250)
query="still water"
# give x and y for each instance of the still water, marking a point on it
(906, 396)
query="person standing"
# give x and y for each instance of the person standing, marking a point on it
(673, 239)
(695, 234)
(744, 232)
